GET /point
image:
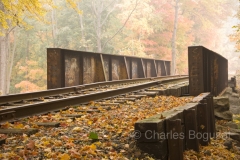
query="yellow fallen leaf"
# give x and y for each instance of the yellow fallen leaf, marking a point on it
(45, 143)
(69, 120)
(64, 156)
(93, 147)
(97, 143)
(19, 126)
(236, 121)
(77, 129)
(47, 150)
(89, 122)
(18, 147)
(119, 131)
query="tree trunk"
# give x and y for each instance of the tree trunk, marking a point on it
(98, 9)
(81, 26)
(3, 64)
(2, 59)
(174, 36)
(100, 20)
(11, 59)
(54, 26)
(5, 59)
(99, 34)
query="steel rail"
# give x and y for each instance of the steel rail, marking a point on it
(33, 95)
(15, 113)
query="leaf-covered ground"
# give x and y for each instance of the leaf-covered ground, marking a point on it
(236, 119)
(112, 128)
(71, 140)
(216, 150)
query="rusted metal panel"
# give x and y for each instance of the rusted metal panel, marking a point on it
(208, 71)
(129, 66)
(55, 67)
(225, 77)
(115, 69)
(135, 69)
(103, 69)
(148, 68)
(144, 65)
(158, 67)
(123, 68)
(88, 69)
(81, 73)
(99, 72)
(215, 73)
(161, 68)
(142, 68)
(223, 70)
(92, 68)
(168, 67)
(195, 71)
(72, 65)
(118, 68)
(106, 62)
(126, 67)
(110, 69)
(155, 68)
(68, 67)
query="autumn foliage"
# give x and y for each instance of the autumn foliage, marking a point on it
(139, 28)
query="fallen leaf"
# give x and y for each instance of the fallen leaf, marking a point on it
(93, 135)
(30, 145)
(64, 156)
(77, 129)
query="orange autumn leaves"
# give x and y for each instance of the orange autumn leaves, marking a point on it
(71, 140)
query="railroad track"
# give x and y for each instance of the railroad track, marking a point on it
(104, 112)
(28, 104)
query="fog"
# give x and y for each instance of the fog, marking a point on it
(161, 29)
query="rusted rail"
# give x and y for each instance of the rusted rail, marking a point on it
(70, 68)
(208, 71)
(74, 89)
(45, 107)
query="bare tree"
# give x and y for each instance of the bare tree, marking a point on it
(123, 24)
(3, 58)
(6, 57)
(174, 36)
(98, 7)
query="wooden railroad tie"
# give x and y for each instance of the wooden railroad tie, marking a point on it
(183, 128)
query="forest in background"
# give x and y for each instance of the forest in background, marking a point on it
(161, 29)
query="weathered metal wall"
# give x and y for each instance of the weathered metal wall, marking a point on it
(208, 71)
(69, 68)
